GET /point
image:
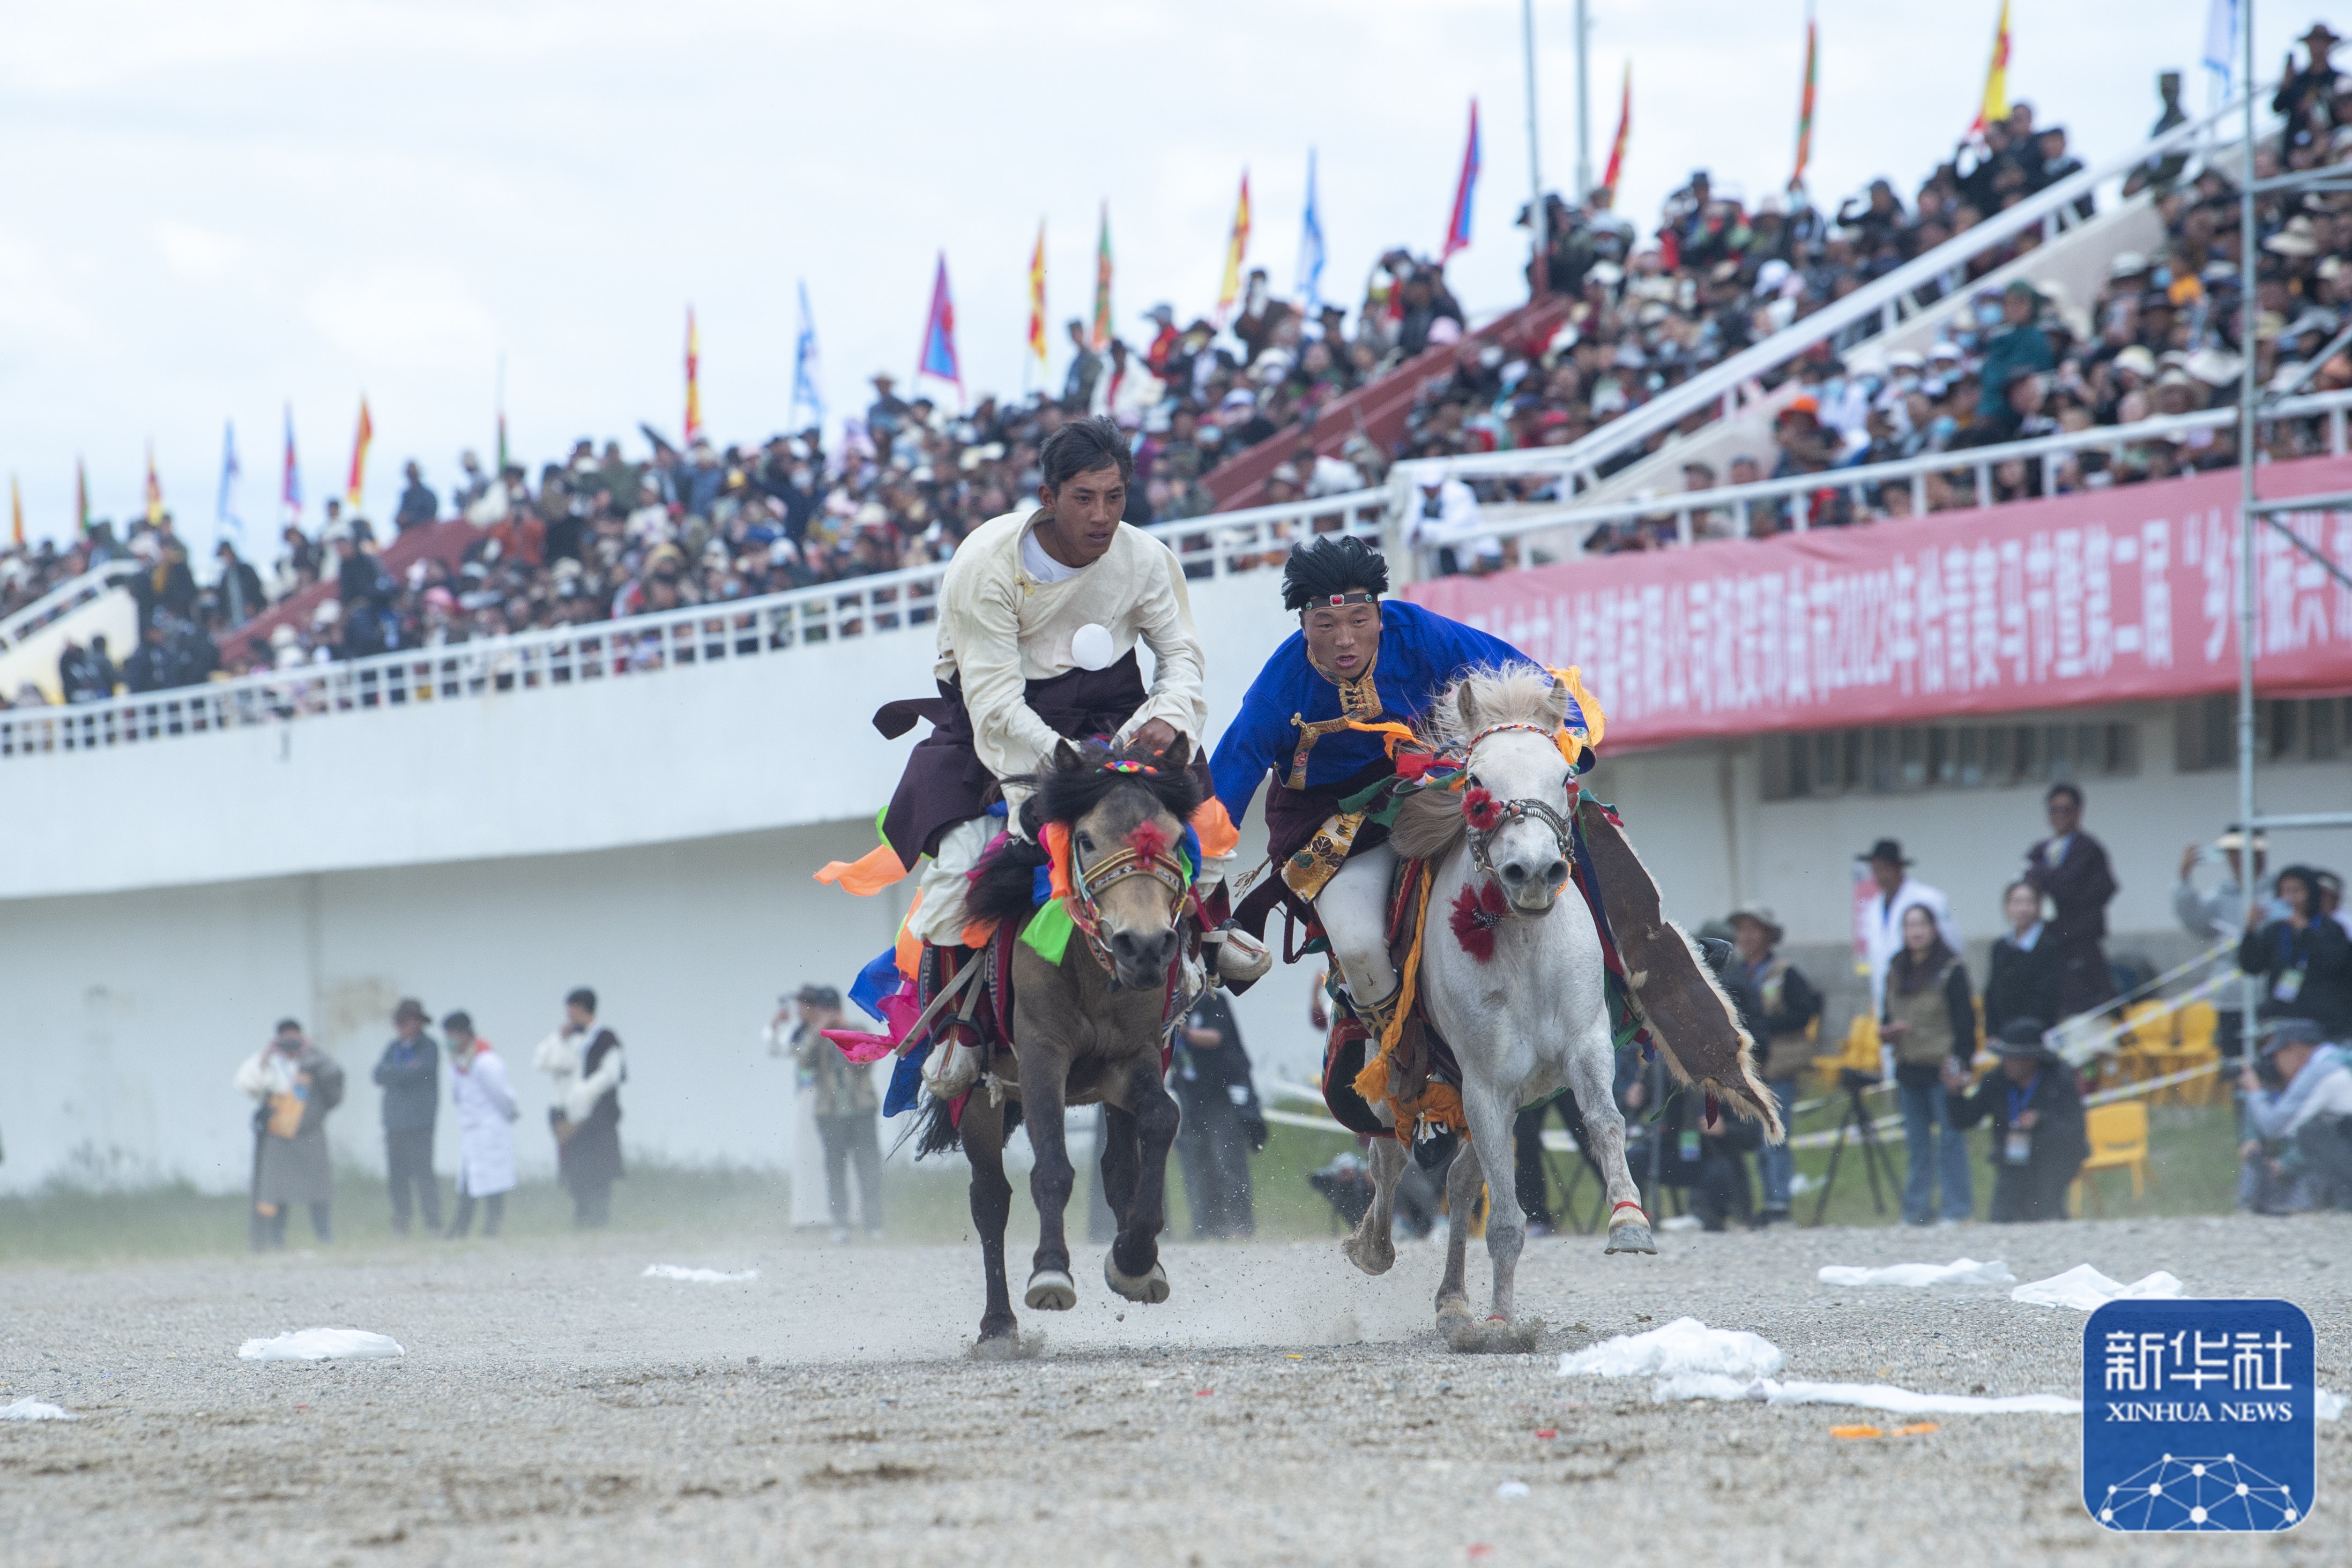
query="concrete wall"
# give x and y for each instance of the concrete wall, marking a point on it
(127, 1013)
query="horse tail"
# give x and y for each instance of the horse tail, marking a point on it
(935, 1131)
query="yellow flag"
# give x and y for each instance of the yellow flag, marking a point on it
(15, 512)
(1996, 93)
(1229, 292)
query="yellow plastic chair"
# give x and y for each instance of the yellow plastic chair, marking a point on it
(2197, 1023)
(2119, 1138)
(1861, 1052)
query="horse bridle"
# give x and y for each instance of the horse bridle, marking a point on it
(1087, 884)
(1518, 810)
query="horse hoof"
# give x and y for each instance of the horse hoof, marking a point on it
(1051, 1290)
(1452, 1315)
(1631, 1238)
(1495, 1336)
(1372, 1257)
(1152, 1290)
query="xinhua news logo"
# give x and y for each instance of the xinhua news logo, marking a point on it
(2199, 1415)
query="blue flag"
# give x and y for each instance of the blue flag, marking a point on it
(227, 524)
(805, 397)
(1310, 249)
(938, 356)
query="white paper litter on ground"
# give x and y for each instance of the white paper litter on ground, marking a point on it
(2087, 1289)
(1683, 1346)
(1510, 1491)
(2330, 1406)
(1680, 1222)
(695, 1276)
(1919, 1276)
(320, 1345)
(31, 1409)
(1864, 1395)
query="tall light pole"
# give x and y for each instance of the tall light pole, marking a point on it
(1583, 106)
(1538, 221)
(2248, 430)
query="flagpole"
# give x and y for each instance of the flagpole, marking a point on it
(1539, 223)
(1583, 106)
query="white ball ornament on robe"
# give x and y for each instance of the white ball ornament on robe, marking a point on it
(1091, 647)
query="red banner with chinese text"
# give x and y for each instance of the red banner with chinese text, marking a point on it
(2118, 595)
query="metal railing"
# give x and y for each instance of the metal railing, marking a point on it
(887, 603)
(1797, 492)
(64, 599)
(1876, 305)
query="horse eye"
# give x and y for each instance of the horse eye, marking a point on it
(1472, 780)
(1086, 843)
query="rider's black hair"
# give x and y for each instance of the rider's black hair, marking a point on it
(1083, 446)
(1329, 564)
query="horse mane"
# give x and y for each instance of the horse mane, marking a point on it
(1064, 793)
(1428, 822)
(1003, 885)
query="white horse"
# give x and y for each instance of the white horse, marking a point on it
(1534, 1018)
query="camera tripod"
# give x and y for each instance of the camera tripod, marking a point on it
(1874, 1160)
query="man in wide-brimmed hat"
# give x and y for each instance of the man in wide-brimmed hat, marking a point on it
(1881, 921)
(2036, 1105)
(1782, 1007)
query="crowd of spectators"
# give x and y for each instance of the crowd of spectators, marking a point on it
(2162, 335)
(602, 534)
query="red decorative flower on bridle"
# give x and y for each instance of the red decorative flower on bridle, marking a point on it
(1477, 912)
(1481, 810)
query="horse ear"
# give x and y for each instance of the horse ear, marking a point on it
(1465, 705)
(1066, 755)
(1178, 757)
(1557, 700)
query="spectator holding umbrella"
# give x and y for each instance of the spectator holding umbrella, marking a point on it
(585, 1063)
(2069, 869)
(409, 1073)
(295, 1085)
(485, 1104)
(2035, 1104)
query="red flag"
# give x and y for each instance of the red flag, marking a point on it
(1617, 145)
(1457, 226)
(359, 439)
(938, 355)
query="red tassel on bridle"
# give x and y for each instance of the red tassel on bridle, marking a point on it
(1477, 912)
(1481, 810)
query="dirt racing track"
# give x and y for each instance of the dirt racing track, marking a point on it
(555, 1407)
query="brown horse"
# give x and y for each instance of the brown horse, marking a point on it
(1088, 1029)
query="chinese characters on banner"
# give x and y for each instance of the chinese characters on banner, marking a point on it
(2116, 595)
(2199, 1415)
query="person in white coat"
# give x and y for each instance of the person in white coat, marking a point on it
(486, 1110)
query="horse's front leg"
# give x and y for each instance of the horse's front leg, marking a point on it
(1591, 1071)
(1044, 1075)
(1371, 1246)
(991, 1206)
(1490, 1116)
(1133, 1267)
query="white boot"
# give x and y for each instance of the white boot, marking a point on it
(1239, 956)
(957, 1071)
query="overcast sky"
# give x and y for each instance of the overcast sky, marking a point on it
(210, 209)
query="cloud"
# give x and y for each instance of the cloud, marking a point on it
(418, 317)
(198, 253)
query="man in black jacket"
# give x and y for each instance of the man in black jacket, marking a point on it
(409, 1073)
(2069, 869)
(2022, 981)
(2038, 1138)
(1210, 1075)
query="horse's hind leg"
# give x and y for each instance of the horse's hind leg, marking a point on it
(1371, 1246)
(1591, 1066)
(1133, 1268)
(991, 1206)
(1462, 1179)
